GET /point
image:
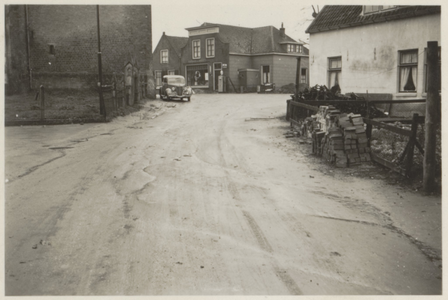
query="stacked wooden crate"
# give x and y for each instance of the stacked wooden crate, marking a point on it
(345, 142)
(361, 142)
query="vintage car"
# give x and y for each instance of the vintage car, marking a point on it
(173, 86)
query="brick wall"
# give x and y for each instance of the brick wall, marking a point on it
(63, 42)
(174, 61)
(285, 69)
(221, 56)
(237, 62)
(16, 63)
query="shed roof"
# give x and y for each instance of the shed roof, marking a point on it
(334, 17)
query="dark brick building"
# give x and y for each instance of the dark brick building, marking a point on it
(63, 45)
(168, 56)
(247, 57)
(16, 63)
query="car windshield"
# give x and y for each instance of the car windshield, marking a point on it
(176, 80)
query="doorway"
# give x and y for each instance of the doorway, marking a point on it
(217, 67)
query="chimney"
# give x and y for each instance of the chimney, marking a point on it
(282, 31)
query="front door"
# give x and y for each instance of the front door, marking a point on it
(266, 72)
(217, 67)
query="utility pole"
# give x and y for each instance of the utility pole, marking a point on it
(432, 117)
(28, 52)
(100, 71)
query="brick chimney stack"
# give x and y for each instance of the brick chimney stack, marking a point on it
(282, 31)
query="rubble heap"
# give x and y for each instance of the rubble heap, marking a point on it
(340, 137)
(321, 92)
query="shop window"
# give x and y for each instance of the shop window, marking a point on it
(198, 75)
(164, 56)
(210, 47)
(439, 71)
(334, 71)
(266, 74)
(196, 49)
(407, 66)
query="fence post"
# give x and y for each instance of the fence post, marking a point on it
(292, 116)
(288, 110)
(411, 144)
(432, 118)
(369, 126)
(42, 103)
(297, 78)
(114, 93)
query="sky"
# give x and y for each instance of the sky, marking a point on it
(172, 17)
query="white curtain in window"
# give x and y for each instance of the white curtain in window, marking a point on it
(410, 57)
(408, 75)
(414, 76)
(404, 77)
(335, 78)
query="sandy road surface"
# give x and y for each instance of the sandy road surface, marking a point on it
(204, 198)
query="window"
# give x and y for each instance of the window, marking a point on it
(407, 66)
(171, 72)
(164, 56)
(439, 71)
(334, 71)
(197, 75)
(266, 74)
(303, 76)
(376, 8)
(51, 50)
(197, 49)
(294, 48)
(210, 47)
(158, 78)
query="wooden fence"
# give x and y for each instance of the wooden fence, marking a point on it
(117, 94)
(297, 111)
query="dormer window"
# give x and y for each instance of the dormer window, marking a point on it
(294, 48)
(376, 8)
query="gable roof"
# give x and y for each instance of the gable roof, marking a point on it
(334, 17)
(177, 43)
(244, 40)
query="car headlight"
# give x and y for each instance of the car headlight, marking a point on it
(187, 90)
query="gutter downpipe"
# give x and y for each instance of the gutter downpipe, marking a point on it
(28, 50)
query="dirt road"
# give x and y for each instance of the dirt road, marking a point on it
(204, 198)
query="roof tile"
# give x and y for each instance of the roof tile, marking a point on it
(334, 17)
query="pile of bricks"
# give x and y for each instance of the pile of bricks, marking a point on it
(344, 141)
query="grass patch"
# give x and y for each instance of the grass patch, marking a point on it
(67, 106)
